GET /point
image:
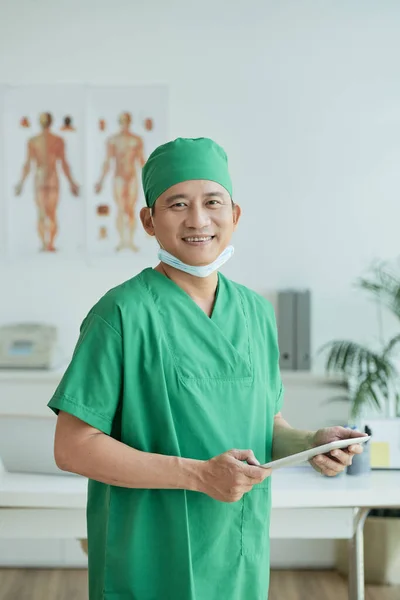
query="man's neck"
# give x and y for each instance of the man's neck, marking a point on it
(200, 289)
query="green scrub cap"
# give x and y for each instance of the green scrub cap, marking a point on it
(184, 159)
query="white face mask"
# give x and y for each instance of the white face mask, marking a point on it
(201, 271)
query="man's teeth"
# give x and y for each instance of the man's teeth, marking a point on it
(198, 239)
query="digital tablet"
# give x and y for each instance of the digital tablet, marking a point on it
(300, 457)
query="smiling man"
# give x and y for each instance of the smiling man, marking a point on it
(172, 400)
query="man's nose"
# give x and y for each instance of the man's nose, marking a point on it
(197, 217)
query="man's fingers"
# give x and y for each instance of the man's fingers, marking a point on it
(327, 464)
(322, 470)
(325, 471)
(253, 461)
(247, 455)
(355, 449)
(342, 457)
(356, 434)
(344, 433)
(256, 473)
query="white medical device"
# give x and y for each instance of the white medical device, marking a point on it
(28, 346)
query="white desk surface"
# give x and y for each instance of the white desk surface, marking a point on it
(304, 488)
(292, 488)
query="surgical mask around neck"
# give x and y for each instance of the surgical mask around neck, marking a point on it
(200, 271)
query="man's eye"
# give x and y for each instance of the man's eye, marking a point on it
(213, 202)
(178, 205)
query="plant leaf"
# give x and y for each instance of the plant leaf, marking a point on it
(336, 399)
(391, 345)
(365, 394)
(384, 284)
(355, 360)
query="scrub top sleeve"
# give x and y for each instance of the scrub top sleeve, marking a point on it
(91, 386)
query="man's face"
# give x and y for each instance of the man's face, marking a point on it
(194, 221)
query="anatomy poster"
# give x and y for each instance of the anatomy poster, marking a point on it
(124, 126)
(44, 149)
(72, 163)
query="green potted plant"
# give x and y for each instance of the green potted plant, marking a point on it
(369, 378)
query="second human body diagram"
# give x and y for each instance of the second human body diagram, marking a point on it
(126, 150)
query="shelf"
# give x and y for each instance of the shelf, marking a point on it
(41, 375)
(308, 378)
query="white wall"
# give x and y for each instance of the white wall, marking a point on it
(303, 94)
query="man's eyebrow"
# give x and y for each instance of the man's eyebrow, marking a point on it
(219, 194)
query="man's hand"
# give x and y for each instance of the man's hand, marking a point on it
(18, 189)
(337, 460)
(226, 478)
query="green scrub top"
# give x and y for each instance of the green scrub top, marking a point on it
(152, 370)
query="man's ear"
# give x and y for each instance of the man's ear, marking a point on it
(147, 221)
(236, 214)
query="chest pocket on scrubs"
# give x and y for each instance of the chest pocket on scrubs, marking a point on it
(207, 354)
(255, 520)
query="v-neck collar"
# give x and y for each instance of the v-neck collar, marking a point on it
(223, 340)
(179, 289)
